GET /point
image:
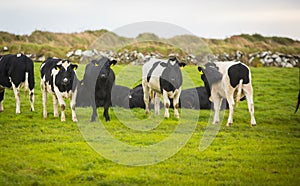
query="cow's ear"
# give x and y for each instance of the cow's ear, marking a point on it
(57, 67)
(200, 69)
(112, 62)
(94, 62)
(74, 67)
(182, 64)
(163, 64)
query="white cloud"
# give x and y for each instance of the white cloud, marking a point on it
(214, 18)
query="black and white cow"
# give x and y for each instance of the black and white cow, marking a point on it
(228, 80)
(58, 77)
(14, 71)
(162, 78)
(98, 81)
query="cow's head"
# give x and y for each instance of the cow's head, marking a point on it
(210, 75)
(104, 66)
(65, 72)
(172, 73)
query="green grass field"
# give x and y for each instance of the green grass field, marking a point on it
(37, 151)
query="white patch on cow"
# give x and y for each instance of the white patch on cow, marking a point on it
(59, 63)
(172, 62)
(19, 55)
(155, 75)
(42, 66)
(66, 64)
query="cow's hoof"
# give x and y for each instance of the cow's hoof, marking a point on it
(253, 124)
(176, 116)
(93, 119)
(228, 124)
(75, 120)
(55, 115)
(147, 112)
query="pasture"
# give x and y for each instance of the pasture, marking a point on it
(37, 151)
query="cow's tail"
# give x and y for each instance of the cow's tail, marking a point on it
(298, 102)
(239, 92)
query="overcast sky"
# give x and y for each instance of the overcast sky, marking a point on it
(210, 19)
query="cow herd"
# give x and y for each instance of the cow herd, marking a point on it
(223, 81)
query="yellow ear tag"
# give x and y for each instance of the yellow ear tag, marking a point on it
(75, 68)
(57, 68)
(96, 64)
(200, 72)
(181, 68)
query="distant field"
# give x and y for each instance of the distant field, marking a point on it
(35, 151)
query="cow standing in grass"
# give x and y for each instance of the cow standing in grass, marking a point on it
(162, 78)
(58, 77)
(228, 80)
(14, 71)
(97, 84)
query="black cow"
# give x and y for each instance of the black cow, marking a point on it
(98, 81)
(58, 77)
(162, 78)
(14, 71)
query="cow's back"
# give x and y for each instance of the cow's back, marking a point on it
(14, 67)
(47, 66)
(152, 72)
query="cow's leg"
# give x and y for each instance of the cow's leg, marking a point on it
(1, 99)
(157, 103)
(62, 106)
(93, 103)
(31, 99)
(146, 97)
(55, 105)
(106, 107)
(17, 97)
(248, 90)
(176, 103)
(230, 101)
(166, 104)
(73, 105)
(217, 100)
(44, 99)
